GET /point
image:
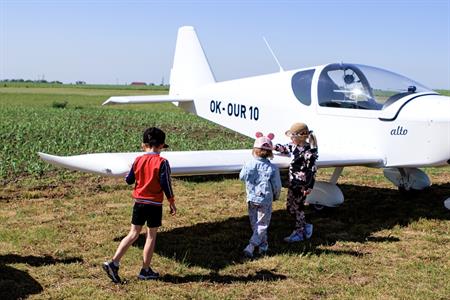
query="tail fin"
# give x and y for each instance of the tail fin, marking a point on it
(190, 66)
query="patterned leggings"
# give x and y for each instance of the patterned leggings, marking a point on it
(295, 205)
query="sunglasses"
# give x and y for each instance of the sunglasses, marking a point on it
(303, 133)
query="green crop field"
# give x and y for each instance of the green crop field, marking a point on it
(57, 226)
(70, 120)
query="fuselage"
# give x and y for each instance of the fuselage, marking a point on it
(351, 108)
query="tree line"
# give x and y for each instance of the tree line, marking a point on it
(32, 81)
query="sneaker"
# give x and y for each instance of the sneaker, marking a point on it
(148, 274)
(112, 271)
(263, 248)
(308, 231)
(294, 237)
(248, 251)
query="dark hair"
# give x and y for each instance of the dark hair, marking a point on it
(154, 136)
(264, 153)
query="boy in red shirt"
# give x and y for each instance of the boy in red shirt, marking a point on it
(151, 175)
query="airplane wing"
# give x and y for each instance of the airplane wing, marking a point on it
(185, 163)
(182, 163)
(144, 99)
(327, 160)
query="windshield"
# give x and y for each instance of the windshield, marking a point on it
(363, 87)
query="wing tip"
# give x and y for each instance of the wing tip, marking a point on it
(111, 100)
(43, 155)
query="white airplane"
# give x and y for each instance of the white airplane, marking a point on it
(361, 115)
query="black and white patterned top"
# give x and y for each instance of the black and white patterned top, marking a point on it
(302, 169)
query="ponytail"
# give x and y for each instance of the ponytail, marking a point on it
(312, 140)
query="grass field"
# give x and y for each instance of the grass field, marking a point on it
(57, 226)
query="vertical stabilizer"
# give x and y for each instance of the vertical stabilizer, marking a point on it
(190, 67)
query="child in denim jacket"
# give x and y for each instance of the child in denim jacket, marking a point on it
(263, 185)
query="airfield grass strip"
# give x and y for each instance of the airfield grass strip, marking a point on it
(371, 247)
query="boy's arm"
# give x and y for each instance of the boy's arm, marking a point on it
(130, 178)
(165, 180)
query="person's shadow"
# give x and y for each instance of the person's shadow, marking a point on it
(366, 210)
(18, 284)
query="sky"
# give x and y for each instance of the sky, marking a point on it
(118, 42)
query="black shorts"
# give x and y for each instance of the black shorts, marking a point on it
(152, 214)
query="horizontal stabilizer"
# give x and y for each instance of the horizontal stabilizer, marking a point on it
(144, 99)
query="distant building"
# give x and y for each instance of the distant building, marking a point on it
(138, 83)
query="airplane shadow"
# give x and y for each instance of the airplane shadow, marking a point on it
(18, 284)
(367, 210)
(211, 178)
(215, 277)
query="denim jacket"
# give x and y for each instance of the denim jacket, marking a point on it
(262, 180)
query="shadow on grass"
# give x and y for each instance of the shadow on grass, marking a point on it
(214, 277)
(36, 261)
(367, 210)
(18, 284)
(212, 178)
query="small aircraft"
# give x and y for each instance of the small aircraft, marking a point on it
(361, 115)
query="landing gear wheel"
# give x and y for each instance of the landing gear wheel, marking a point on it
(318, 207)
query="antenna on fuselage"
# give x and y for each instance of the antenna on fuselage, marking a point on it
(273, 54)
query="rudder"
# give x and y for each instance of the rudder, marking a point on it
(190, 66)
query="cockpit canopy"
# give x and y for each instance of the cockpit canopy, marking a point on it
(356, 86)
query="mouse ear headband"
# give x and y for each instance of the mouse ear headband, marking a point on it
(263, 142)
